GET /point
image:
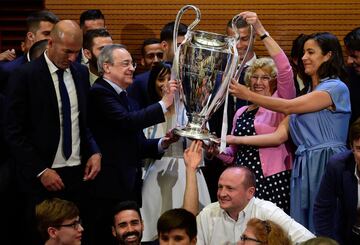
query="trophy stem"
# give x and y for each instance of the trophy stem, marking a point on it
(196, 129)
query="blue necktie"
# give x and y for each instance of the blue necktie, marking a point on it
(66, 113)
(125, 99)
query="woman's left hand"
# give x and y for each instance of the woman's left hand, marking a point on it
(238, 90)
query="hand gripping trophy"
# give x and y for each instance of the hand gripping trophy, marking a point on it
(204, 63)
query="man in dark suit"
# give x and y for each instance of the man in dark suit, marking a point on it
(117, 124)
(46, 122)
(336, 209)
(39, 25)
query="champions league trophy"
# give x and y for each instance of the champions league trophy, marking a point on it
(205, 63)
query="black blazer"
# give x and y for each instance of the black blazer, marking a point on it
(118, 132)
(336, 202)
(32, 117)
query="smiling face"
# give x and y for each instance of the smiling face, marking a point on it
(128, 227)
(232, 194)
(122, 70)
(313, 57)
(261, 82)
(161, 82)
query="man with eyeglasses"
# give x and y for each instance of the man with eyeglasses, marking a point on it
(59, 222)
(117, 123)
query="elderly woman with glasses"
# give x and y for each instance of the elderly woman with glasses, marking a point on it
(263, 232)
(271, 165)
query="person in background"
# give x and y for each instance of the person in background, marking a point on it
(352, 45)
(94, 41)
(58, 222)
(89, 20)
(295, 58)
(264, 232)
(152, 53)
(336, 211)
(177, 226)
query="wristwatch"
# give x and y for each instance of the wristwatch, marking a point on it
(263, 36)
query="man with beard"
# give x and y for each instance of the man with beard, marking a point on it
(127, 225)
(94, 42)
(352, 44)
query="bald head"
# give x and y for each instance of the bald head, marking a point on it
(65, 43)
(236, 187)
(67, 29)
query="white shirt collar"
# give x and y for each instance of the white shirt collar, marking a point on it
(243, 213)
(117, 88)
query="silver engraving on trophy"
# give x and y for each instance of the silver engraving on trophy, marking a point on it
(204, 63)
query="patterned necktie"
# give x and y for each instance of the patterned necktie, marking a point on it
(66, 113)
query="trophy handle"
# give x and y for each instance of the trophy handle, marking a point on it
(190, 27)
(240, 66)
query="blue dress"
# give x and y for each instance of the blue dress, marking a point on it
(318, 136)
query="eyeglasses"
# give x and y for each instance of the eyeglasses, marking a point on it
(245, 238)
(127, 63)
(75, 225)
(160, 55)
(262, 78)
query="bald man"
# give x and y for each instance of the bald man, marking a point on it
(46, 127)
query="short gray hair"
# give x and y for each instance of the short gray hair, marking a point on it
(106, 56)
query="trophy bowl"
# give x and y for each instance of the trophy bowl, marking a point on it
(204, 63)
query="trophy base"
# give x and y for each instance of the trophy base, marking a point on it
(195, 134)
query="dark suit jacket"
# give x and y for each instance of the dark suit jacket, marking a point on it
(336, 201)
(7, 68)
(138, 90)
(32, 117)
(119, 135)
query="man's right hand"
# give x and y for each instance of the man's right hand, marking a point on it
(169, 93)
(51, 180)
(8, 55)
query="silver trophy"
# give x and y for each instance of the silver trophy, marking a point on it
(205, 63)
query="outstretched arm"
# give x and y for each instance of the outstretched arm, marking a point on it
(192, 158)
(311, 102)
(271, 45)
(279, 136)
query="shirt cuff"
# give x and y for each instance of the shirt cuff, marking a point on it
(163, 107)
(41, 173)
(160, 148)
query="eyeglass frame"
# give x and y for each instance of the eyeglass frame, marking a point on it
(262, 78)
(244, 238)
(126, 63)
(75, 225)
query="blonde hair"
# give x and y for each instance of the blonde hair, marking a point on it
(268, 232)
(266, 64)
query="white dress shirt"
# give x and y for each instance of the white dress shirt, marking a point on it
(74, 159)
(216, 227)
